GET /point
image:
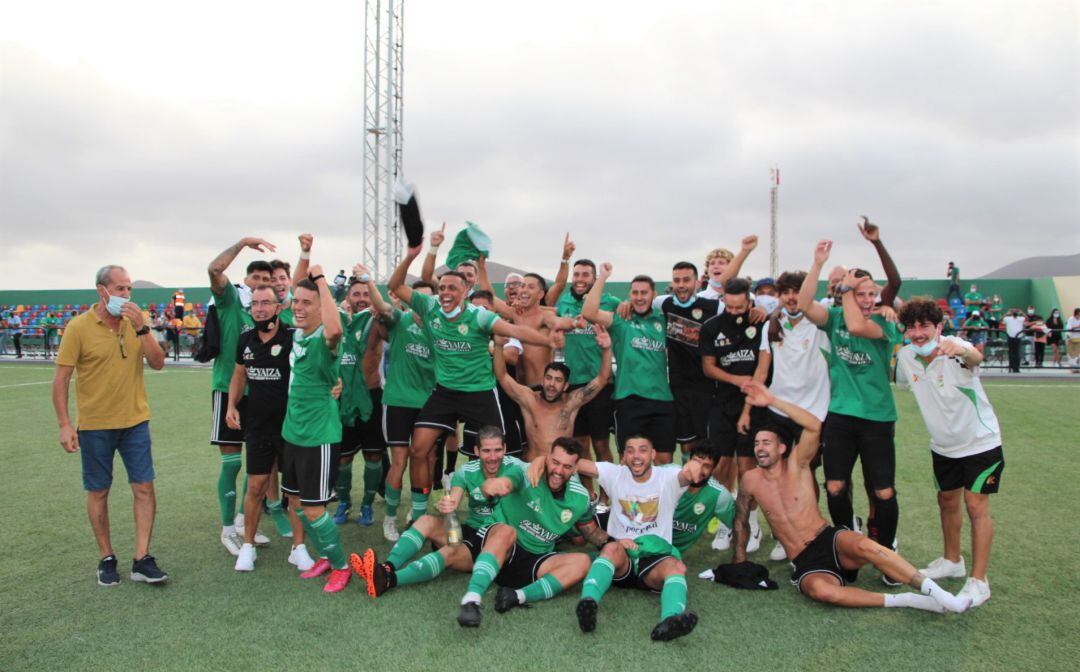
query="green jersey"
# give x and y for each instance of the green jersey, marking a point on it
(233, 320)
(411, 377)
(311, 416)
(355, 403)
(540, 516)
(973, 297)
(286, 317)
(470, 476)
(696, 509)
(581, 353)
(859, 369)
(652, 544)
(462, 362)
(640, 347)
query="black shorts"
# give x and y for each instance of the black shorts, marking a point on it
(367, 435)
(445, 407)
(820, 556)
(309, 472)
(692, 412)
(848, 438)
(639, 569)
(262, 453)
(472, 537)
(794, 432)
(521, 568)
(723, 426)
(980, 473)
(513, 422)
(220, 432)
(596, 418)
(647, 417)
(397, 425)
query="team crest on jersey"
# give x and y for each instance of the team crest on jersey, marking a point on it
(359, 335)
(699, 508)
(275, 350)
(658, 326)
(463, 329)
(696, 313)
(751, 332)
(566, 515)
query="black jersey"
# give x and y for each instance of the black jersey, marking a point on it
(683, 330)
(267, 366)
(735, 343)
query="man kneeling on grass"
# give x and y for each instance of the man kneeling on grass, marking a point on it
(783, 485)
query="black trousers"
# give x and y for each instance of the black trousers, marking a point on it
(1014, 354)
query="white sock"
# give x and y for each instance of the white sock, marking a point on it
(471, 597)
(914, 601)
(755, 523)
(520, 596)
(228, 529)
(944, 597)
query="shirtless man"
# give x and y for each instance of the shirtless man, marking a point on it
(550, 411)
(826, 558)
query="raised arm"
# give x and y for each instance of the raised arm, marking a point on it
(396, 283)
(759, 395)
(220, 264)
(857, 323)
(561, 277)
(691, 472)
(814, 311)
(301, 270)
(482, 279)
(427, 273)
(378, 303)
(748, 245)
(332, 330)
(741, 532)
(588, 392)
(518, 392)
(522, 333)
(872, 233)
(590, 309)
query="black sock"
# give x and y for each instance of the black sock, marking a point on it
(840, 507)
(886, 516)
(451, 461)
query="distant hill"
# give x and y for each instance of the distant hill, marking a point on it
(145, 284)
(1038, 267)
(496, 272)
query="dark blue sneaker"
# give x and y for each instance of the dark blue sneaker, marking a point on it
(106, 572)
(341, 516)
(367, 515)
(147, 571)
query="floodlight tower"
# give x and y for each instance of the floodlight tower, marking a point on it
(383, 78)
(774, 192)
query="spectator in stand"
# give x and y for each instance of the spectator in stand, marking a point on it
(50, 325)
(973, 300)
(1014, 330)
(975, 331)
(4, 332)
(178, 304)
(948, 326)
(192, 326)
(339, 285)
(1072, 341)
(953, 274)
(1054, 337)
(15, 324)
(172, 331)
(1039, 332)
(993, 313)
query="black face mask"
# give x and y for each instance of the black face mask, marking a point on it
(266, 326)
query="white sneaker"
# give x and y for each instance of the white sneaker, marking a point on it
(754, 543)
(856, 525)
(946, 569)
(978, 591)
(238, 523)
(602, 508)
(300, 558)
(722, 540)
(389, 529)
(245, 561)
(261, 539)
(778, 553)
(232, 542)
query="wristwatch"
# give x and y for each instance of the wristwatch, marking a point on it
(844, 289)
(142, 332)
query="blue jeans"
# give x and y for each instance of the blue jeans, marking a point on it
(97, 447)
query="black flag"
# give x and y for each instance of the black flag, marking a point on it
(405, 196)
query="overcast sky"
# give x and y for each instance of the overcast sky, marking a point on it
(154, 135)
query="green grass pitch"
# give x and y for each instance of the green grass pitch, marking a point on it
(55, 617)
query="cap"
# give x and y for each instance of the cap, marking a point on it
(764, 282)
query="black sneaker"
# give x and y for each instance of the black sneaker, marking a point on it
(147, 571)
(507, 599)
(469, 615)
(586, 614)
(106, 572)
(675, 626)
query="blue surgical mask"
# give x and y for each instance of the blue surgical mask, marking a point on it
(926, 349)
(794, 316)
(452, 314)
(716, 284)
(115, 304)
(689, 302)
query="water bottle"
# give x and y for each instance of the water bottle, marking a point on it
(453, 529)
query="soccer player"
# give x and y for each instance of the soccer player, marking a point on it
(965, 439)
(312, 428)
(734, 351)
(862, 413)
(465, 382)
(549, 412)
(233, 320)
(703, 500)
(474, 480)
(826, 559)
(519, 548)
(643, 401)
(262, 367)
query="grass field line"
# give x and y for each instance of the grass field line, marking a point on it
(37, 382)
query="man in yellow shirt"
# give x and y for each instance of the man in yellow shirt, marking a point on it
(192, 326)
(107, 346)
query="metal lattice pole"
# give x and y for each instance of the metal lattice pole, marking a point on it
(774, 252)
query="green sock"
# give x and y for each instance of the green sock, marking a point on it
(407, 546)
(278, 515)
(598, 580)
(393, 498)
(310, 537)
(673, 596)
(484, 571)
(419, 502)
(544, 588)
(226, 486)
(343, 484)
(425, 569)
(372, 476)
(324, 529)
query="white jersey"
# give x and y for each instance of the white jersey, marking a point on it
(954, 406)
(641, 508)
(801, 367)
